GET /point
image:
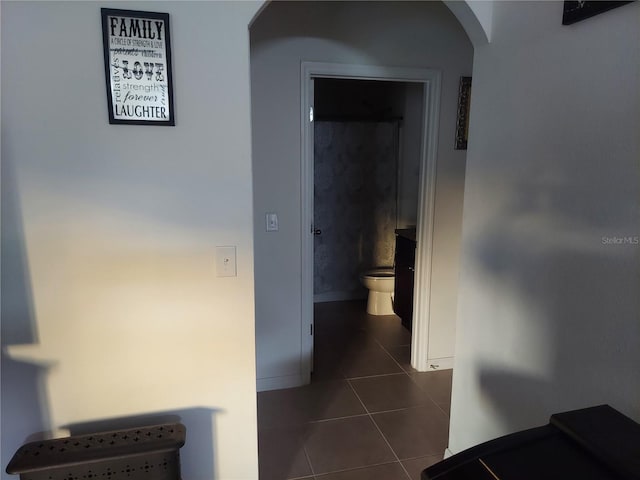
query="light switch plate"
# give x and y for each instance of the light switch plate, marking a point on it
(226, 261)
(272, 222)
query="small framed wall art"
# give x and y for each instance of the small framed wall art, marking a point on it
(137, 64)
(462, 122)
(573, 11)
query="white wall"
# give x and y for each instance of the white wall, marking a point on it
(476, 16)
(109, 235)
(548, 313)
(411, 34)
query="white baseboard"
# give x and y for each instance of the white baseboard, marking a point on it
(447, 453)
(445, 363)
(277, 383)
(338, 296)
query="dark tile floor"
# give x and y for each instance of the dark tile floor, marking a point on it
(366, 414)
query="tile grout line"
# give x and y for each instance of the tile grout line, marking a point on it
(351, 469)
(380, 431)
(408, 374)
(367, 413)
(392, 357)
(429, 395)
(421, 456)
(404, 372)
(376, 376)
(370, 414)
(401, 367)
(324, 420)
(306, 454)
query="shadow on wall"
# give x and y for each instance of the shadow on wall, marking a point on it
(571, 340)
(196, 457)
(25, 406)
(577, 357)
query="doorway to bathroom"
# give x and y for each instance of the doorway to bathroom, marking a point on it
(370, 142)
(358, 138)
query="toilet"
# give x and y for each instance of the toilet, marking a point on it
(380, 282)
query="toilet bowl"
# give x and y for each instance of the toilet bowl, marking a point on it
(380, 282)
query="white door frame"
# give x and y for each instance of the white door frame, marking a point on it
(430, 79)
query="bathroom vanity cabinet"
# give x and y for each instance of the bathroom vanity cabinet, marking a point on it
(405, 260)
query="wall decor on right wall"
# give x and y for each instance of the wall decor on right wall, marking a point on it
(575, 11)
(462, 121)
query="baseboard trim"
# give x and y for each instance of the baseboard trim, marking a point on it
(445, 363)
(447, 453)
(277, 383)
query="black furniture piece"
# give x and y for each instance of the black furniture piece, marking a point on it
(597, 443)
(404, 275)
(149, 453)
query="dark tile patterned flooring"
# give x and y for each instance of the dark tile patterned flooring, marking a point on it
(366, 414)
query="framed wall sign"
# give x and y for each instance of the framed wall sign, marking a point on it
(137, 64)
(462, 121)
(573, 12)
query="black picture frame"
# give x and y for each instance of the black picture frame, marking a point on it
(574, 11)
(138, 69)
(462, 121)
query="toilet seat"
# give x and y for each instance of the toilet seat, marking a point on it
(379, 273)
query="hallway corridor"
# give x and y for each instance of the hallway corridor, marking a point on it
(367, 414)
